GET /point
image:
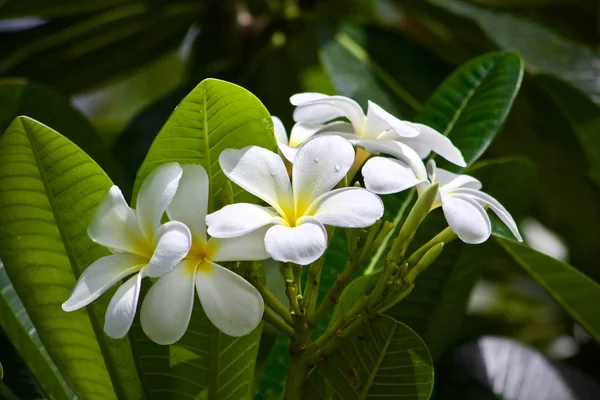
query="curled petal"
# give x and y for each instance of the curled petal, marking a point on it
(451, 181)
(156, 193)
(239, 219)
(431, 140)
(380, 121)
(260, 172)
(466, 218)
(301, 98)
(167, 307)
(329, 108)
(302, 132)
(288, 152)
(122, 307)
(100, 276)
(301, 244)
(173, 241)
(115, 225)
(395, 149)
(279, 130)
(347, 208)
(319, 165)
(232, 304)
(248, 247)
(191, 200)
(384, 175)
(496, 207)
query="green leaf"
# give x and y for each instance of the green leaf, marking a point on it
(49, 190)
(271, 384)
(382, 66)
(19, 329)
(385, 359)
(575, 292)
(472, 104)
(215, 115)
(77, 54)
(56, 8)
(542, 49)
(21, 97)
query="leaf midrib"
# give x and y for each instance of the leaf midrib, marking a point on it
(365, 391)
(68, 247)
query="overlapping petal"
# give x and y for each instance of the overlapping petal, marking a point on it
(429, 140)
(398, 150)
(232, 304)
(325, 109)
(248, 247)
(239, 219)
(350, 207)
(301, 244)
(122, 307)
(384, 175)
(380, 121)
(301, 98)
(466, 218)
(279, 130)
(100, 276)
(173, 241)
(260, 172)
(167, 307)
(190, 203)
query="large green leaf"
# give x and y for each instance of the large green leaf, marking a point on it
(382, 66)
(21, 97)
(472, 104)
(77, 54)
(214, 116)
(49, 190)
(575, 292)
(385, 359)
(19, 329)
(543, 50)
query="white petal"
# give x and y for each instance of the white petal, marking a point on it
(288, 152)
(350, 207)
(496, 207)
(279, 130)
(300, 98)
(101, 275)
(329, 108)
(302, 244)
(191, 200)
(115, 225)
(319, 165)
(451, 181)
(167, 307)
(232, 304)
(431, 140)
(173, 241)
(302, 132)
(395, 149)
(248, 247)
(260, 172)
(379, 121)
(239, 219)
(466, 218)
(154, 196)
(384, 175)
(122, 307)
(339, 127)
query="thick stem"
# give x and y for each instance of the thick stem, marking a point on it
(291, 283)
(270, 299)
(296, 376)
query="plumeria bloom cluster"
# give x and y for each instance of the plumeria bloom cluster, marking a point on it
(301, 202)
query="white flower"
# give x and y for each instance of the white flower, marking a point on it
(458, 195)
(140, 246)
(300, 209)
(232, 304)
(377, 125)
(299, 134)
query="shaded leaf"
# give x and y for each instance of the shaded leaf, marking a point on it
(385, 359)
(19, 329)
(56, 8)
(271, 384)
(496, 367)
(575, 292)
(49, 190)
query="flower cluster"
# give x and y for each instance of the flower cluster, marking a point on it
(180, 256)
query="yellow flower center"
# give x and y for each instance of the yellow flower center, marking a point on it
(200, 256)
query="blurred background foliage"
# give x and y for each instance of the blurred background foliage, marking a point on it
(108, 73)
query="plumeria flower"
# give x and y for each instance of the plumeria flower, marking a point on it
(300, 209)
(232, 304)
(377, 125)
(459, 196)
(299, 134)
(141, 247)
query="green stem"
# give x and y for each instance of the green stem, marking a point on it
(445, 236)
(274, 319)
(270, 299)
(296, 376)
(287, 270)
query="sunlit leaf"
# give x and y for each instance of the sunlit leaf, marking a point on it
(49, 190)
